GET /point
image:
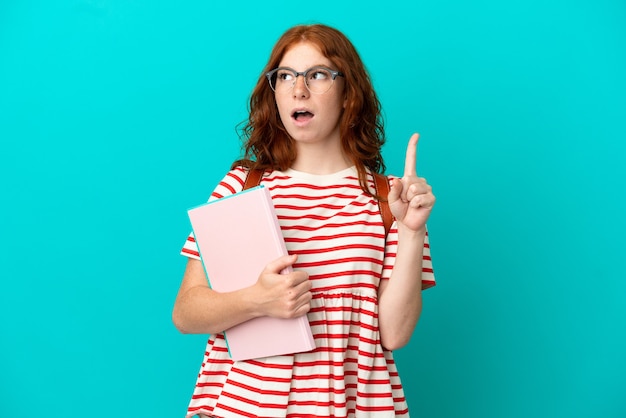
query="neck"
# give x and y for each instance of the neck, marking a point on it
(320, 160)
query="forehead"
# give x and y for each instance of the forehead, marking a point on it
(303, 55)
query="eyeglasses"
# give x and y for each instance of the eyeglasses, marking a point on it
(317, 79)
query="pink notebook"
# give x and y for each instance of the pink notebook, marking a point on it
(237, 236)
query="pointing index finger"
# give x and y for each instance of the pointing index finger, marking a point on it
(410, 162)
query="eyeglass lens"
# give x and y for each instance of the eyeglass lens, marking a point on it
(317, 79)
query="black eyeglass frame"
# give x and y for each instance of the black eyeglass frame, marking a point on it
(333, 74)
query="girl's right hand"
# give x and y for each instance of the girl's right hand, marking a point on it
(283, 295)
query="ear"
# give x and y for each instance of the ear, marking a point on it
(345, 96)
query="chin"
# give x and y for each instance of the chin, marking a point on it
(302, 137)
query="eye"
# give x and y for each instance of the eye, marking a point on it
(319, 74)
(284, 75)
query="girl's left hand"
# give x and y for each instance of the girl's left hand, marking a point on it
(411, 198)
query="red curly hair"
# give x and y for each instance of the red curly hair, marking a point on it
(266, 143)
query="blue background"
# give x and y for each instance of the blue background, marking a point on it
(116, 116)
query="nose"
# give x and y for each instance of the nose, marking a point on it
(299, 87)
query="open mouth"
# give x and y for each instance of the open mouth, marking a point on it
(302, 115)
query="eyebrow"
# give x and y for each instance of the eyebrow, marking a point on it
(312, 66)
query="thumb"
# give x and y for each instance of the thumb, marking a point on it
(278, 265)
(395, 191)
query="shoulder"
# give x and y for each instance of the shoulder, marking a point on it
(231, 183)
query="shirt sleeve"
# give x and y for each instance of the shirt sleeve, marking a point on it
(391, 248)
(232, 183)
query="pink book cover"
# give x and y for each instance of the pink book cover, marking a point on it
(237, 236)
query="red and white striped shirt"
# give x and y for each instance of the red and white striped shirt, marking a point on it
(339, 236)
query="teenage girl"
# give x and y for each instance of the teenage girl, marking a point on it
(315, 127)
